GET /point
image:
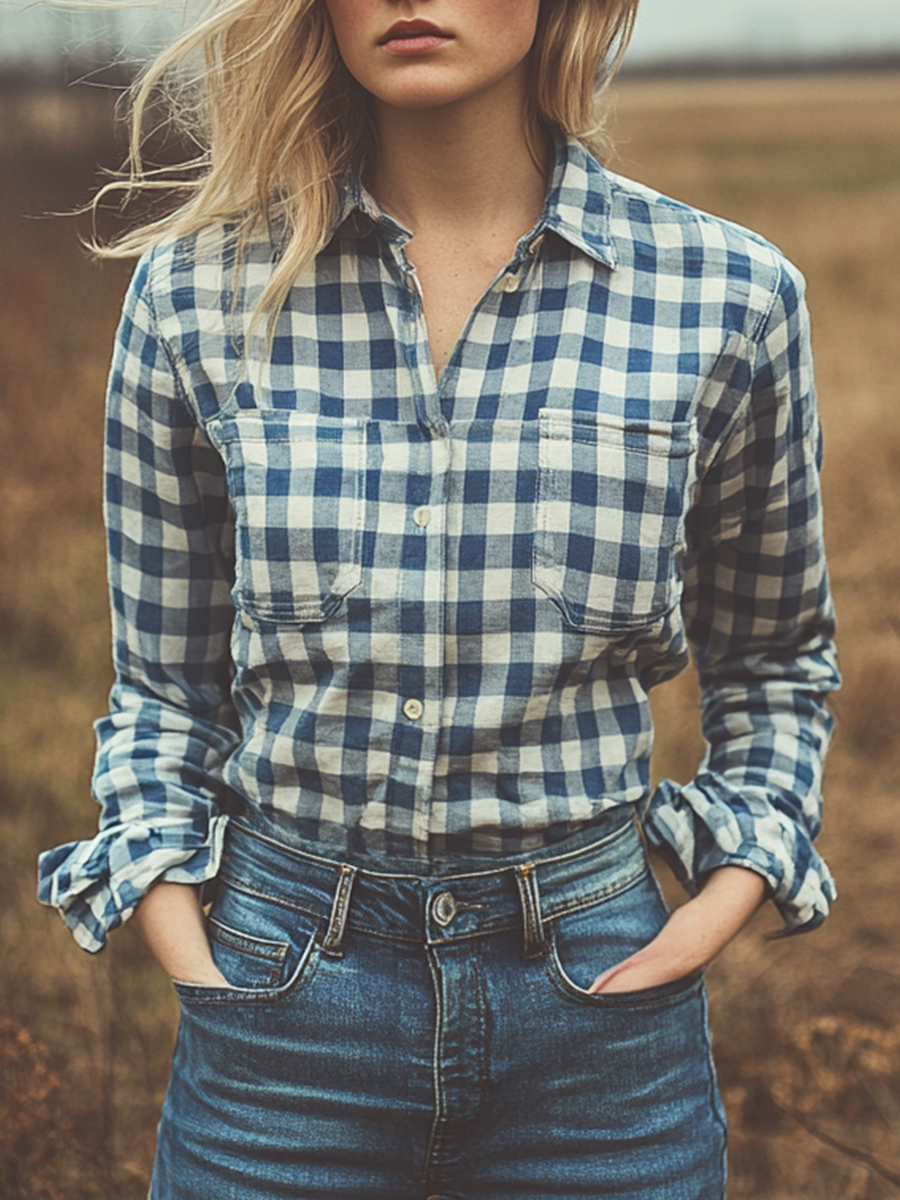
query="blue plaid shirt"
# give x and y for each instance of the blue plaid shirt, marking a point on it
(417, 617)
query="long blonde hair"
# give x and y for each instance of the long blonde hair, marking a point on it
(279, 121)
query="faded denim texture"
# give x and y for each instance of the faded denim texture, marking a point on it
(393, 1034)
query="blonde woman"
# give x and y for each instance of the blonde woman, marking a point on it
(430, 443)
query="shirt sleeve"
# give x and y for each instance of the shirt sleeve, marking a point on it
(171, 725)
(758, 612)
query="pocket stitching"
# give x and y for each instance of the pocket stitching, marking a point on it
(268, 952)
(548, 573)
(270, 949)
(576, 425)
(197, 995)
(349, 573)
(645, 998)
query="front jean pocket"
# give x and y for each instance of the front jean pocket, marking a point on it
(610, 513)
(264, 949)
(584, 943)
(295, 481)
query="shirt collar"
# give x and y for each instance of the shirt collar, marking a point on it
(577, 208)
(356, 198)
(579, 203)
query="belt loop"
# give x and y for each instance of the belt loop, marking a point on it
(337, 923)
(526, 879)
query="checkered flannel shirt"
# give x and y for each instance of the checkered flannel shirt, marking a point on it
(420, 618)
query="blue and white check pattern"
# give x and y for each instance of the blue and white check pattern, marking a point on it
(420, 618)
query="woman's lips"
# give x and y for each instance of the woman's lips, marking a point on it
(413, 37)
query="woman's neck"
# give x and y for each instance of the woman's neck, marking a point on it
(466, 165)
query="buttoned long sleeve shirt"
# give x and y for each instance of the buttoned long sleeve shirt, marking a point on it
(416, 618)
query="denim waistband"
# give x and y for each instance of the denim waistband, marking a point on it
(480, 898)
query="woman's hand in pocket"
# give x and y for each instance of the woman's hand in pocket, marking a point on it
(170, 918)
(693, 935)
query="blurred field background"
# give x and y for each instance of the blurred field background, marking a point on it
(807, 1031)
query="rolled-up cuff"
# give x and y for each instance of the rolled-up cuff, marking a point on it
(96, 885)
(708, 824)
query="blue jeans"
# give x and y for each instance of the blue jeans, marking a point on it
(392, 1034)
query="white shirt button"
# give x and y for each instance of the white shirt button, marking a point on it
(510, 283)
(413, 709)
(422, 515)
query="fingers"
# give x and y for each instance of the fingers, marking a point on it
(693, 935)
(650, 968)
(206, 975)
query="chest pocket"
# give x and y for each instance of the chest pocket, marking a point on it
(295, 481)
(611, 502)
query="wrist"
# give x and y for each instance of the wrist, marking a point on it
(171, 920)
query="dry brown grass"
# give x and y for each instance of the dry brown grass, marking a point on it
(807, 1030)
(33, 1117)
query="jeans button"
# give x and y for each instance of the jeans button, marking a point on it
(443, 908)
